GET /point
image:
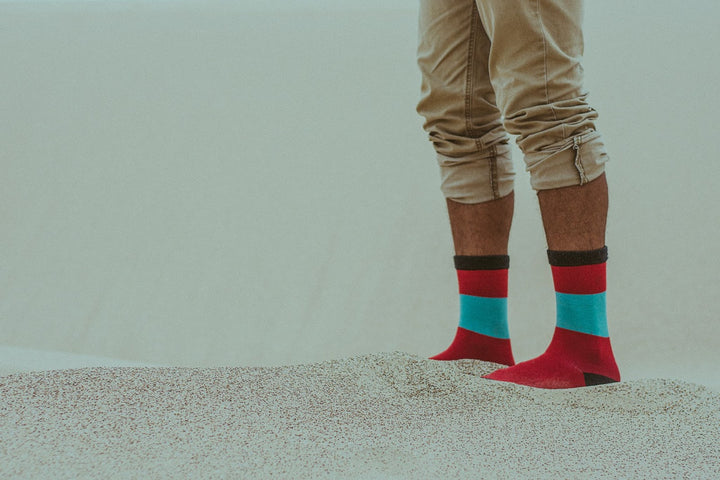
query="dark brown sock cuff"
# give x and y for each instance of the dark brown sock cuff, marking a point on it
(559, 258)
(482, 262)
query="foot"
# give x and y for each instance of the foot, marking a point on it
(468, 344)
(573, 359)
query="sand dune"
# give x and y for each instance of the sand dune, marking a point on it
(386, 415)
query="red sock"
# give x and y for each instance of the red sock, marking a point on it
(482, 333)
(579, 353)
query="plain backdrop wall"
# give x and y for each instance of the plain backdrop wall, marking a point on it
(201, 184)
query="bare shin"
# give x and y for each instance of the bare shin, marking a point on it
(481, 228)
(575, 217)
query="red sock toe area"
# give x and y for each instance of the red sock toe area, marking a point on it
(573, 359)
(468, 344)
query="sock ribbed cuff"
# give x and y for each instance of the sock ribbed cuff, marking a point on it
(482, 262)
(560, 258)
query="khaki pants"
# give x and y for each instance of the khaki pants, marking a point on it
(493, 67)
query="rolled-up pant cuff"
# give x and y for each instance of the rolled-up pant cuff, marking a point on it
(575, 161)
(480, 177)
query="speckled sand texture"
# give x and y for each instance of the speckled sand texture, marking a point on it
(384, 415)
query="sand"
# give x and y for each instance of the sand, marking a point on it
(383, 415)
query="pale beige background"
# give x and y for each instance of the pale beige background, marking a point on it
(204, 184)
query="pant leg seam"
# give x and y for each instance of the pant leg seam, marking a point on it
(494, 173)
(547, 94)
(469, 96)
(469, 76)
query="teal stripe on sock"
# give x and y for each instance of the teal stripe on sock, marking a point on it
(582, 313)
(487, 316)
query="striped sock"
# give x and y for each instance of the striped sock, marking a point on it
(579, 353)
(482, 333)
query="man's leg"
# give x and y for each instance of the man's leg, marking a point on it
(480, 234)
(465, 126)
(481, 228)
(575, 217)
(535, 68)
(579, 353)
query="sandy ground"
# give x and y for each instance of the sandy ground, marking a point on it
(210, 186)
(391, 415)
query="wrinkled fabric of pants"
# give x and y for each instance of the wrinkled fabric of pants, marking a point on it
(493, 67)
